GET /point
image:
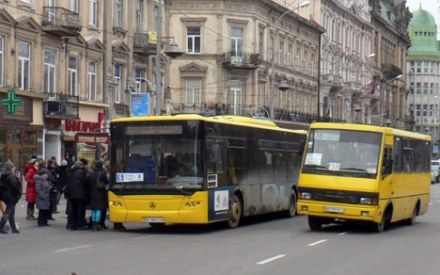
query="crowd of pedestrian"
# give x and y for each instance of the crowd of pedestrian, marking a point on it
(83, 185)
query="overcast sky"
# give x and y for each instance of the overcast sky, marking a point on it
(430, 5)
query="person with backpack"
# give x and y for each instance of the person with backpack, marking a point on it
(11, 194)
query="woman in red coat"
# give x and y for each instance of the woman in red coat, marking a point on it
(32, 168)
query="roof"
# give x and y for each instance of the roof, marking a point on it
(422, 31)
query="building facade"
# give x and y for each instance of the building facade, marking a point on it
(423, 73)
(65, 68)
(253, 58)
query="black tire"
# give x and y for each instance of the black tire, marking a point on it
(384, 223)
(412, 219)
(291, 211)
(235, 212)
(315, 223)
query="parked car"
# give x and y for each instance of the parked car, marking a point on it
(435, 171)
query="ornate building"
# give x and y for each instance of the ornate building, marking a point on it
(66, 66)
(390, 20)
(346, 60)
(424, 74)
(244, 58)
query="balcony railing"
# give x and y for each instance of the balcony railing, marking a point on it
(241, 60)
(61, 106)
(142, 44)
(60, 21)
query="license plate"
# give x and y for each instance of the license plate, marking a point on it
(155, 220)
(333, 209)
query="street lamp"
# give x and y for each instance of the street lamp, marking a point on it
(272, 78)
(382, 91)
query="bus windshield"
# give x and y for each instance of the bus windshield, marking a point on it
(161, 156)
(342, 152)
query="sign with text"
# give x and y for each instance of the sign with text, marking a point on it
(140, 104)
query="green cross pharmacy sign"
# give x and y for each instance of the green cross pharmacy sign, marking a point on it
(11, 101)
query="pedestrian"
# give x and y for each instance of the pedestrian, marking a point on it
(53, 177)
(62, 178)
(78, 197)
(97, 181)
(32, 168)
(42, 188)
(2, 206)
(11, 193)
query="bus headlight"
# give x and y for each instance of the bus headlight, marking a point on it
(116, 203)
(368, 201)
(305, 195)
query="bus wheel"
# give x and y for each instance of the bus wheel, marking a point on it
(291, 211)
(412, 220)
(235, 212)
(315, 223)
(157, 225)
(384, 222)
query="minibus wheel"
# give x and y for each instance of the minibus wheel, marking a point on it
(384, 222)
(291, 211)
(235, 212)
(315, 223)
(415, 212)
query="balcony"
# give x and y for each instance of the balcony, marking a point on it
(143, 45)
(60, 21)
(61, 106)
(233, 60)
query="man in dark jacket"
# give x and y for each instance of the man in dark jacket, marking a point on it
(11, 194)
(77, 193)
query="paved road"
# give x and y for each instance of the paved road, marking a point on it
(264, 245)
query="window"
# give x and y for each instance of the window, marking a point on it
(237, 44)
(118, 82)
(193, 89)
(2, 58)
(118, 13)
(74, 5)
(139, 15)
(24, 65)
(261, 43)
(92, 80)
(93, 13)
(50, 62)
(289, 55)
(141, 86)
(235, 97)
(193, 39)
(281, 57)
(73, 76)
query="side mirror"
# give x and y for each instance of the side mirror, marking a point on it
(387, 166)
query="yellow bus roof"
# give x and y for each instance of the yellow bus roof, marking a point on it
(369, 128)
(229, 119)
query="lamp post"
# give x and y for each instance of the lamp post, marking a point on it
(272, 78)
(382, 92)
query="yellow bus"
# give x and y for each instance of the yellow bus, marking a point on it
(198, 170)
(354, 172)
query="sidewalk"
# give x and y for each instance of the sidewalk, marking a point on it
(21, 212)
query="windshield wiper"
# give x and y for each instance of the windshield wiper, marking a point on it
(354, 169)
(315, 166)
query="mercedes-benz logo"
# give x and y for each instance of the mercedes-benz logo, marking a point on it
(152, 205)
